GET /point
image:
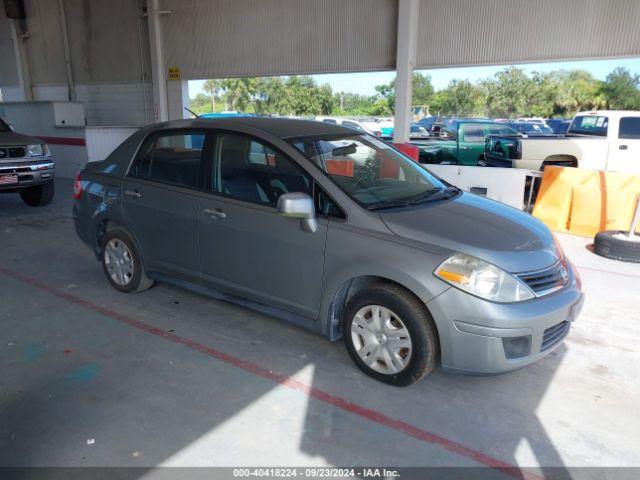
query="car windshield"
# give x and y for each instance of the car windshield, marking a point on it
(589, 125)
(371, 172)
(4, 127)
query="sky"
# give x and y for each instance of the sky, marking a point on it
(364, 83)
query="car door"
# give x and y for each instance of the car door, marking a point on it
(470, 143)
(246, 247)
(160, 201)
(624, 151)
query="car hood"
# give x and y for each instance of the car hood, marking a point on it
(13, 138)
(485, 229)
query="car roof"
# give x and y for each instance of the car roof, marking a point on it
(279, 127)
(471, 120)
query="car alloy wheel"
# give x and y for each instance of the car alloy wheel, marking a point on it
(381, 339)
(119, 262)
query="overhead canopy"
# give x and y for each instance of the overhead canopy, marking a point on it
(225, 38)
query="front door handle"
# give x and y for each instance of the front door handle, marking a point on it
(215, 214)
(465, 148)
(623, 147)
(133, 193)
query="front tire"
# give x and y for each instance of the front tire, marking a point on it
(38, 196)
(390, 335)
(122, 262)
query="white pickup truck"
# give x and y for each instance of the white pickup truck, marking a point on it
(599, 140)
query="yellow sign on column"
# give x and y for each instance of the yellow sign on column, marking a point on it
(174, 73)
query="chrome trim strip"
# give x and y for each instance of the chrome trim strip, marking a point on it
(523, 276)
(32, 166)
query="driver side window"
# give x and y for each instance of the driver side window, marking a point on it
(473, 132)
(248, 170)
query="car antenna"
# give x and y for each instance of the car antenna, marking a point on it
(192, 112)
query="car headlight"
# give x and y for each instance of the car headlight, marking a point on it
(38, 150)
(482, 279)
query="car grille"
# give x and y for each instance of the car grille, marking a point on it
(546, 281)
(12, 152)
(553, 335)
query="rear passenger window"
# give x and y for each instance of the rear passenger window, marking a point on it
(629, 127)
(173, 158)
(251, 171)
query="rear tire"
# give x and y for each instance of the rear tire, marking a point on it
(404, 362)
(122, 262)
(617, 246)
(38, 196)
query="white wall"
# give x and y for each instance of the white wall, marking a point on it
(505, 185)
(117, 103)
(104, 104)
(101, 141)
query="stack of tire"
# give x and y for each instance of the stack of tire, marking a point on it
(618, 245)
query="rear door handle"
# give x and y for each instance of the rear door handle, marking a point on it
(465, 148)
(215, 214)
(133, 193)
(623, 147)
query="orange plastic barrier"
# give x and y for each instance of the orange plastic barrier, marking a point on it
(389, 168)
(340, 167)
(585, 202)
(409, 150)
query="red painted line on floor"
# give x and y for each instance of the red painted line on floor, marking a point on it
(622, 274)
(343, 404)
(75, 142)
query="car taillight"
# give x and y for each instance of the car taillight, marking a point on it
(77, 187)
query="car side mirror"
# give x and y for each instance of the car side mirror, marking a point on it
(299, 205)
(11, 127)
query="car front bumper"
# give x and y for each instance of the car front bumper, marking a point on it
(27, 174)
(478, 336)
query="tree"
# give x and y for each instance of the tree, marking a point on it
(238, 92)
(508, 94)
(544, 96)
(422, 90)
(461, 98)
(577, 90)
(620, 90)
(200, 104)
(212, 87)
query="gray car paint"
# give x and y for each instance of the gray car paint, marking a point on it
(307, 276)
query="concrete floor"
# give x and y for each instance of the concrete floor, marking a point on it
(93, 377)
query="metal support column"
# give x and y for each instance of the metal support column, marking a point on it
(67, 54)
(158, 70)
(19, 35)
(405, 61)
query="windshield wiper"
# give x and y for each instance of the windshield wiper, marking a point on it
(415, 199)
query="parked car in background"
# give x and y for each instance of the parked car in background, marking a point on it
(558, 125)
(26, 167)
(599, 140)
(418, 131)
(461, 141)
(371, 128)
(432, 124)
(532, 129)
(279, 215)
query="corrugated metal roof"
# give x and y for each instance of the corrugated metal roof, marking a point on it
(223, 38)
(227, 38)
(463, 32)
